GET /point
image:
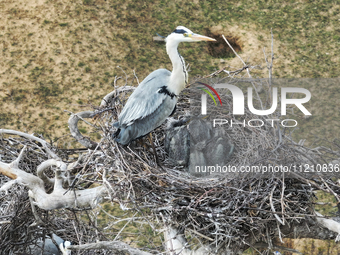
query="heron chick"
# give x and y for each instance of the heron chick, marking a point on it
(154, 100)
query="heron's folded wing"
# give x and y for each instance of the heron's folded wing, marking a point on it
(146, 98)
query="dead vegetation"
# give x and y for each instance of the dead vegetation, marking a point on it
(218, 213)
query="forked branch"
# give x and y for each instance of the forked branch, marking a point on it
(59, 198)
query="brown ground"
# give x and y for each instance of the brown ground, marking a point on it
(58, 56)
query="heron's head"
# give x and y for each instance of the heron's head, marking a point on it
(183, 34)
(64, 247)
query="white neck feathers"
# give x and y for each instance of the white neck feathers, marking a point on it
(179, 75)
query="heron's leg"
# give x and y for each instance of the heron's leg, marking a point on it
(154, 150)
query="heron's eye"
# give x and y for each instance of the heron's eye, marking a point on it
(186, 34)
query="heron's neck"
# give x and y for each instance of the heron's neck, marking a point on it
(179, 75)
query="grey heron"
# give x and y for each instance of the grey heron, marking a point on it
(156, 96)
(47, 246)
(64, 248)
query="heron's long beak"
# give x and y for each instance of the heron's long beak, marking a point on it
(197, 37)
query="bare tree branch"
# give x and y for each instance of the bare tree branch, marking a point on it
(73, 125)
(113, 95)
(117, 246)
(59, 198)
(31, 137)
(329, 224)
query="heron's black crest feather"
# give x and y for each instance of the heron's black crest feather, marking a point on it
(180, 31)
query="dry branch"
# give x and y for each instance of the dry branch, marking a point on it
(116, 246)
(73, 125)
(60, 197)
(44, 144)
(109, 99)
(329, 224)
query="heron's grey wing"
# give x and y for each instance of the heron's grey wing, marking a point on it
(142, 127)
(147, 108)
(146, 98)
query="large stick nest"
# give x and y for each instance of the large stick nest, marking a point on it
(222, 209)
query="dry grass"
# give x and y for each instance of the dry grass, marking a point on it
(58, 56)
